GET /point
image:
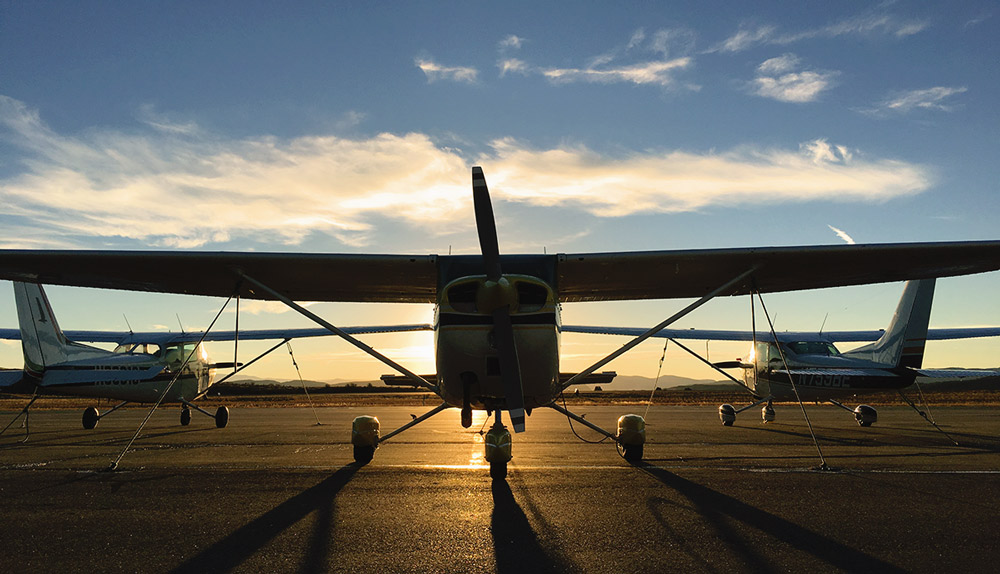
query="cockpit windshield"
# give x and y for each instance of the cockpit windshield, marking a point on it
(813, 348)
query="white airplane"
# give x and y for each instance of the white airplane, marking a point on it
(497, 322)
(808, 366)
(141, 367)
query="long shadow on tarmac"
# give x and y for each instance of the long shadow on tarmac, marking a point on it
(515, 543)
(715, 507)
(233, 550)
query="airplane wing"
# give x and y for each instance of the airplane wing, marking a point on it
(828, 336)
(161, 338)
(577, 277)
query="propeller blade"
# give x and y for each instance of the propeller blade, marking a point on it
(486, 225)
(510, 368)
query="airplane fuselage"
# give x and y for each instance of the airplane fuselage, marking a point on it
(468, 364)
(819, 377)
(126, 375)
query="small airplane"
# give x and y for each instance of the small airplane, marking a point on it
(497, 318)
(138, 370)
(808, 366)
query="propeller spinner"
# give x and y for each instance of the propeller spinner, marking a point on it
(496, 297)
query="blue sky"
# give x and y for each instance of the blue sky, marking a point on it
(351, 128)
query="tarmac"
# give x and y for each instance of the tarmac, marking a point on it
(275, 491)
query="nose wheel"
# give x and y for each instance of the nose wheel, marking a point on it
(498, 452)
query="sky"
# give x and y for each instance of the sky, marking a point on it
(351, 127)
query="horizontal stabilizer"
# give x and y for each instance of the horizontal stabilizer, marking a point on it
(957, 373)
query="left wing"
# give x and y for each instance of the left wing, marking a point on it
(161, 338)
(828, 336)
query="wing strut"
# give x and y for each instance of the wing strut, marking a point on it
(329, 326)
(631, 344)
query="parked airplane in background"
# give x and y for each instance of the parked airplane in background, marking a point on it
(138, 370)
(497, 323)
(819, 371)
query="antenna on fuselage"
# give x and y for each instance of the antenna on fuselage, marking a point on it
(178, 315)
(127, 324)
(823, 324)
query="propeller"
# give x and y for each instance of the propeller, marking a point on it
(496, 296)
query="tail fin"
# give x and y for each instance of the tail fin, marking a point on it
(902, 344)
(41, 339)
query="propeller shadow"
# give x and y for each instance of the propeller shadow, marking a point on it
(515, 544)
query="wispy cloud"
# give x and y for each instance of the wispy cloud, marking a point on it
(511, 42)
(161, 189)
(680, 181)
(629, 64)
(656, 73)
(936, 98)
(435, 72)
(875, 23)
(745, 38)
(783, 79)
(842, 234)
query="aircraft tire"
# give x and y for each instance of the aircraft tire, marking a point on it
(363, 454)
(865, 424)
(633, 452)
(91, 416)
(221, 417)
(498, 470)
(185, 417)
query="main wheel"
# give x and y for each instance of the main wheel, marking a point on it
(633, 452)
(498, 470)
(90, 417)
(363, 454)
(221, 417)
(185, 417)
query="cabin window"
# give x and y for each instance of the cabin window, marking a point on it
(813, 348)
(531, 297)
(147, 348)
(462, 297)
